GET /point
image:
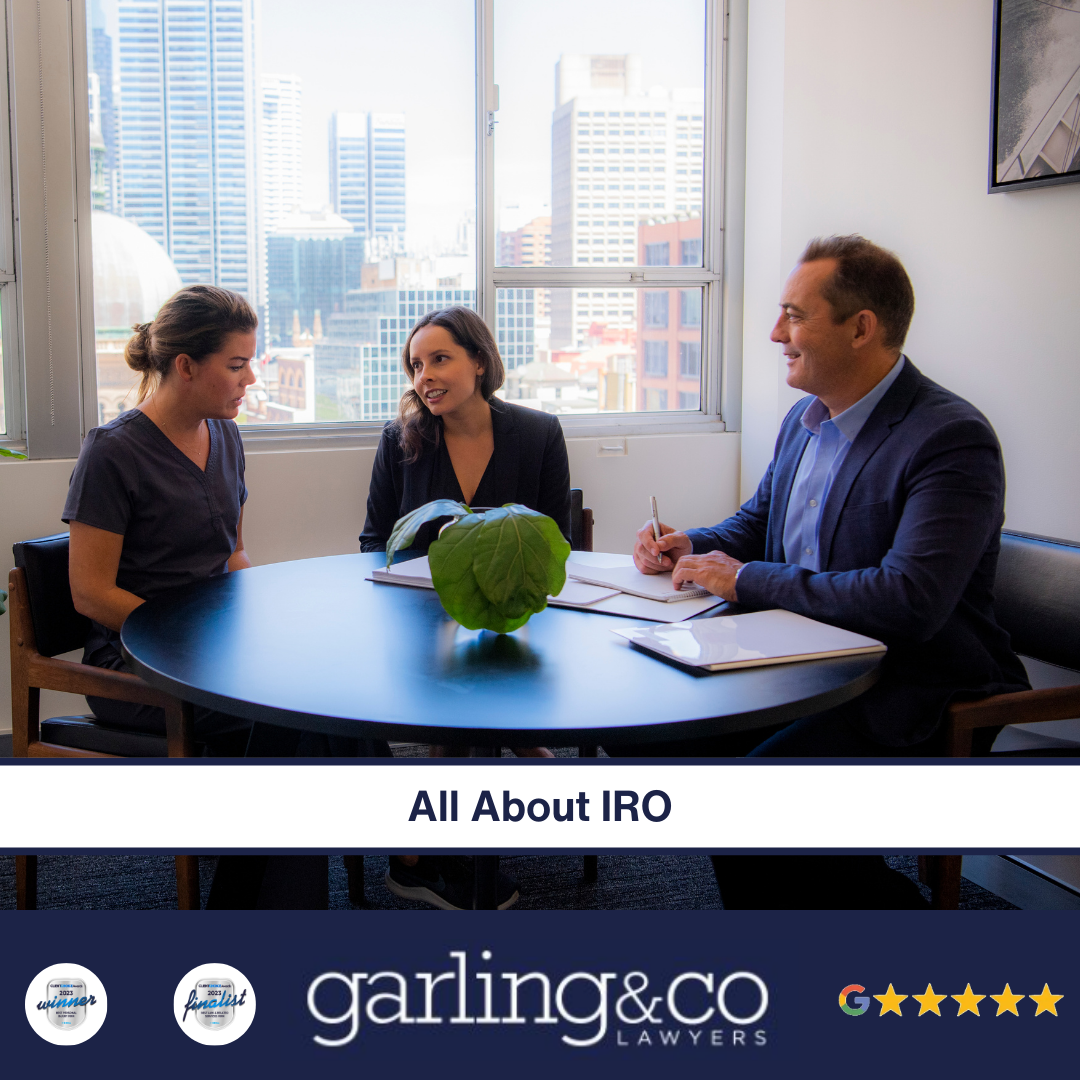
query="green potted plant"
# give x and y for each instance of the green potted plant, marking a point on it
(492, 570)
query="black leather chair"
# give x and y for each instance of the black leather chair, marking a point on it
(1037, 600)
(44, 624)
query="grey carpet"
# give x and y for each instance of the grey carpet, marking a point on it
(652, 882)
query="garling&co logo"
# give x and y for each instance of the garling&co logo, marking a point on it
(694, 1009)
(214, 1004)
(66, 1004)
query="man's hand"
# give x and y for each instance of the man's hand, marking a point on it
(649, 553)
(714, 571)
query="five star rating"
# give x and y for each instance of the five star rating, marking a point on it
(930, 1002)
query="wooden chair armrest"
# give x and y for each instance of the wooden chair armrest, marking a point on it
(1025, 707)
(48, 673)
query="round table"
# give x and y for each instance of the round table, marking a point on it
(314, 645)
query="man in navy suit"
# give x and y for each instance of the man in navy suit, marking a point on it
(881, 512)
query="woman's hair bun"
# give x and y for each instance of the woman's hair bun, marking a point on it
(137, 351)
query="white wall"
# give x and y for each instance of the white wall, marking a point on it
(304, 504)
(873, 118)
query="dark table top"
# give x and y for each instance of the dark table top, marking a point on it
(313, 645)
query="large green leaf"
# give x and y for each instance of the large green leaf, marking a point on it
(406, 528)
(3, 599)
(451, 559)
(520, 558)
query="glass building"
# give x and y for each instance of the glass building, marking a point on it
(367, 177)
(187, 121)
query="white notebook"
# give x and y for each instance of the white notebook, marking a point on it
(417, 572)
(629, 579)
(751, 640)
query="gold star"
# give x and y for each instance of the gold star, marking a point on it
(890, 1001)
(1006, 1001)
(969, 1002)
(1046, 1001)
(929, 1002)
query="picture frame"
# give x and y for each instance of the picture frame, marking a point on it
(1035, 95)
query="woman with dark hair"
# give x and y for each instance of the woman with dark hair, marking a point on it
(157, 496)
(454, 440)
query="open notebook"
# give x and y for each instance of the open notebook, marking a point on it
(751, 640)
(575, 594)
(629, 579)
(417, 572)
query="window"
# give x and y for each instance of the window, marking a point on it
(655, 400)
(656, 358)
(228, 152)
(689, 399)
(656, 309)
(690, 308)
(635, 81)
(689, 360)
(218, 140)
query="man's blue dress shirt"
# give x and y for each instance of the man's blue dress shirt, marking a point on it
(830, 440)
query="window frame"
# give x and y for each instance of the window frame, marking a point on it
(52, 432)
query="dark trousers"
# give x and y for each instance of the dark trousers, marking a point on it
(765, 882)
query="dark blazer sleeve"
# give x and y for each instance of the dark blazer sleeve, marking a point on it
(554, 495)
(953, 492)
(384, 493)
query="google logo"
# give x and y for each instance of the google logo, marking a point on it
(862, 1002)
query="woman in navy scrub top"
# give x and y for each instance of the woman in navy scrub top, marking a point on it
(157, 496)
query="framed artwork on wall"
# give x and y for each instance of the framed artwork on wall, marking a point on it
(1035, 103)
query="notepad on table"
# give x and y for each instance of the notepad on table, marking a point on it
(417, 572)
(751, 640)
(629, 579)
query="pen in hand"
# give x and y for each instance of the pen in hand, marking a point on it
(656, 527)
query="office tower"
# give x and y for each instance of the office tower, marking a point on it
(280, 160)
(312, 258)
(668, 360)
(281, 148)
(528, 246)
(102, 110)
(618, 154)
(187, 120)
(349, 168)
(367, 177)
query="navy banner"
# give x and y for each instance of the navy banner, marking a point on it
(536, 994)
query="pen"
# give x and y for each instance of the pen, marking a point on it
(655, 525)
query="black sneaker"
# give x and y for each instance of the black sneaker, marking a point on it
(444, 882)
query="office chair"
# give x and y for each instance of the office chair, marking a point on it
(44, 623)
(1037, 600)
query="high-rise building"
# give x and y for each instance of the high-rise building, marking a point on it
(618, 154)
(281, 158)
(102, 109)
(281, 147)
(187, 134)
(367, 177)
(312, 260)
(528, 246)
(668, 358)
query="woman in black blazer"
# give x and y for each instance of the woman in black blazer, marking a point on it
(453, 440)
